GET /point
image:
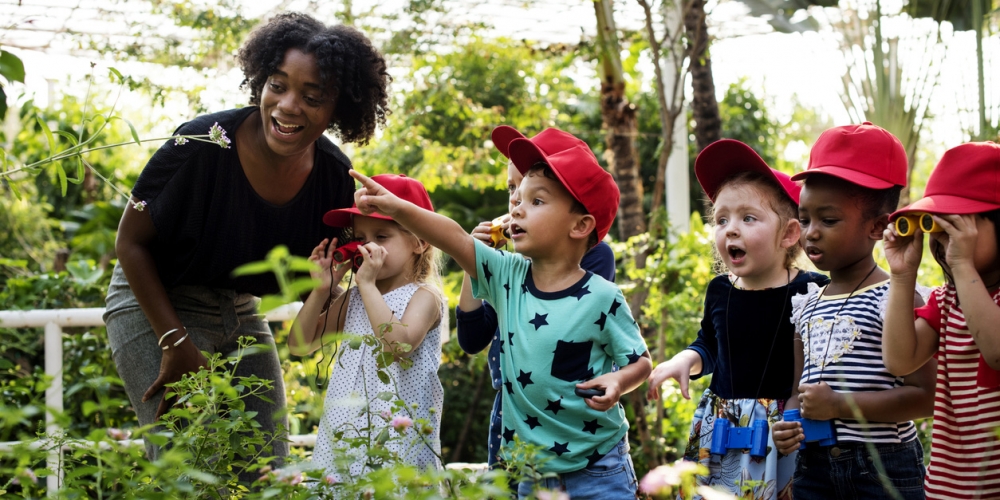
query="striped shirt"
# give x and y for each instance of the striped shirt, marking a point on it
(842, 339)
(965, 450)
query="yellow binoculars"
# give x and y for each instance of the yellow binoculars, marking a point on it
(908, 224)
(497, 233)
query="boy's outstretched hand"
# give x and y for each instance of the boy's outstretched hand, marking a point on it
(372, 197)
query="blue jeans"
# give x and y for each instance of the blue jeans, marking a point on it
(848, 471)
(611, 478)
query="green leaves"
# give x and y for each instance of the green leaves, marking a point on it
(11, 69)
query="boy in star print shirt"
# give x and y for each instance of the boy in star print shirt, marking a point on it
(562, 328)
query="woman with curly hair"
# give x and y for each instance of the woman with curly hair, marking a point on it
(198, 211)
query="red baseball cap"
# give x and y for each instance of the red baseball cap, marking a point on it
(573, 163)
(866, 155)
(400, 185)
(965, 181)
(725, 158)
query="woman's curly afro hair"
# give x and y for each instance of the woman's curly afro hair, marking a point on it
(347, 60)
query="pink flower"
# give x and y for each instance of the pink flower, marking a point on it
(330, 480)
(118, 434)
(662, 478)
(386, 415)
(401, 423)
(265, 469)
(296, 479)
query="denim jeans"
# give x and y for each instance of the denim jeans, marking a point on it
(611, 478)
(848, 471)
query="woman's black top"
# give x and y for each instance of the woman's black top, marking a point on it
(738, 360)
(209, 220)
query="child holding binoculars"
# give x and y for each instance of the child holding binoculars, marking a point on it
(476, 320)
(857, 439)
(398, 284)
(961, 211)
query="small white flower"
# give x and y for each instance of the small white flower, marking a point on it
(180, 141)
(139, 206)
(217, 135)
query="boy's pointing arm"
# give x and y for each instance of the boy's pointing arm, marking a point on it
(435, 229)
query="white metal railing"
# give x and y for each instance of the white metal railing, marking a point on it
(54, 320)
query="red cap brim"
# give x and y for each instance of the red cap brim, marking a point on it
(945, 204)
(725, 158)
(343, 217)
(852, 176)
(502, 136)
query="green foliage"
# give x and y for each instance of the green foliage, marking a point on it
(674, 279)
(440, 130)
(11, 70)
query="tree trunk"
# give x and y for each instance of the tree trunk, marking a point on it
(704, 107)
(618, 116)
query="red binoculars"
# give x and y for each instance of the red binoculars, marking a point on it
(349, 252)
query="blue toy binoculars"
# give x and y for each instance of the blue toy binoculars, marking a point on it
(820, 431)
(725, 437)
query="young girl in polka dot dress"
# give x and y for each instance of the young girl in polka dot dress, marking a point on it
(397, 284)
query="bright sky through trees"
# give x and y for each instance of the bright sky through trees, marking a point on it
(807, 66)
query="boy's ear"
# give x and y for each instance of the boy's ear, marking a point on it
(792, 233)
(878, 227)
(583, 226)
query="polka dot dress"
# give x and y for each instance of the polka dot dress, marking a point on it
(355, 374)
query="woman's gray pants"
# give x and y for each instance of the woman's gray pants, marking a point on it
(215, 319)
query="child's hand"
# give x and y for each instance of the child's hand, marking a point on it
(372, 197)
(482, 232)
(322, 256)
(612, 391)
(903, 253)
(674, 369)
(374, 256)
(787, 436)
(962, 236)
(819, 401)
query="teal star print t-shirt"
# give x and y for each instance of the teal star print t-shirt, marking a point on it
(549, 342)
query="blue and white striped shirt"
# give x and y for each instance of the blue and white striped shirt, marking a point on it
(842, 339)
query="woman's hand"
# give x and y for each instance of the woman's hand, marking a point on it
(176, 361)
(374, 255)
(322, 256)
(903, 253)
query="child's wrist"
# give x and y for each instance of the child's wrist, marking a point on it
(964, 271)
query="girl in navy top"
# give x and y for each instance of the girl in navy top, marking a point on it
(745, 338)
